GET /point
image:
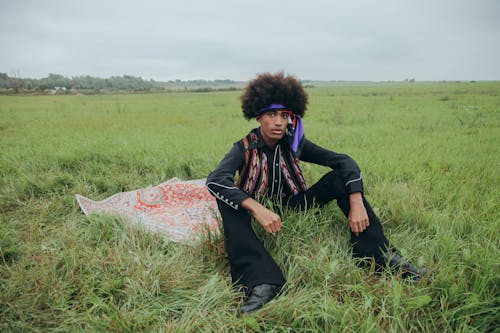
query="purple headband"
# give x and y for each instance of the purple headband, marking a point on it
(270, 107)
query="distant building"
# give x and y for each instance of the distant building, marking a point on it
(58, 90)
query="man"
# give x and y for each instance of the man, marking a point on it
(267, 161)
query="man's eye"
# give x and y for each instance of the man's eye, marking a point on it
(271, 113)
(284, 116)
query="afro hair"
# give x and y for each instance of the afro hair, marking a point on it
(268, 88)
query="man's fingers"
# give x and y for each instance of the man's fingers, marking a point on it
(270, 228)
(359, 226)
(270, 221)
(274, 226)
(278, 225)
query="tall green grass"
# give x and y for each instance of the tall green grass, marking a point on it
(430, 159)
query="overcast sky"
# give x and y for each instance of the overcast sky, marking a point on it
(224, 39)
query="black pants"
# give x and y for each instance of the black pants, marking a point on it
(250, 262)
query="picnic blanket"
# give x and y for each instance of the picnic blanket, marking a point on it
(184, 210)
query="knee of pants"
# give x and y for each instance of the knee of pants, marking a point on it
(330, 186)
(335, 179)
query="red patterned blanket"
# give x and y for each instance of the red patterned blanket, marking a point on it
(182, 209)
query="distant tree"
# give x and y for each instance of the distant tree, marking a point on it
(42, 87)
(4, 80)
(56, 80)
(87, 82)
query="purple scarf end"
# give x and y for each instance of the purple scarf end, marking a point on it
(298, 134)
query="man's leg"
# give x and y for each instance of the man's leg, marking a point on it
(250, 262)
(369, 243)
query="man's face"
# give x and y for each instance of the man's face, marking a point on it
(273, 126)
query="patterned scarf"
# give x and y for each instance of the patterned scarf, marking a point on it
(253, 176)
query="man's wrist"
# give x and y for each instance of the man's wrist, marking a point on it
(355, 198)
(250, 204)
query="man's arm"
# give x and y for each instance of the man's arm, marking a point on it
(269, 220)
(344, 164)
(358, 217)
(220, 182)
(350, 172)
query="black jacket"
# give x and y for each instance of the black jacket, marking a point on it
(221, 181)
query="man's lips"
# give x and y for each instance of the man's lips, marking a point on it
(277, 131)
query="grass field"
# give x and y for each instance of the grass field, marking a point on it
(430, 158)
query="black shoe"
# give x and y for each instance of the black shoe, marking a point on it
(260, 295)
(408, 270)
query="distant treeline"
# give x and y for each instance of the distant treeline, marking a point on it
(61, 84)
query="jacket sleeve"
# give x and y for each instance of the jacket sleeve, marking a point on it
(345, 165)
(220, 182)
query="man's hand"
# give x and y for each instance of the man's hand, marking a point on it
(269, 220)
(358, 218)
